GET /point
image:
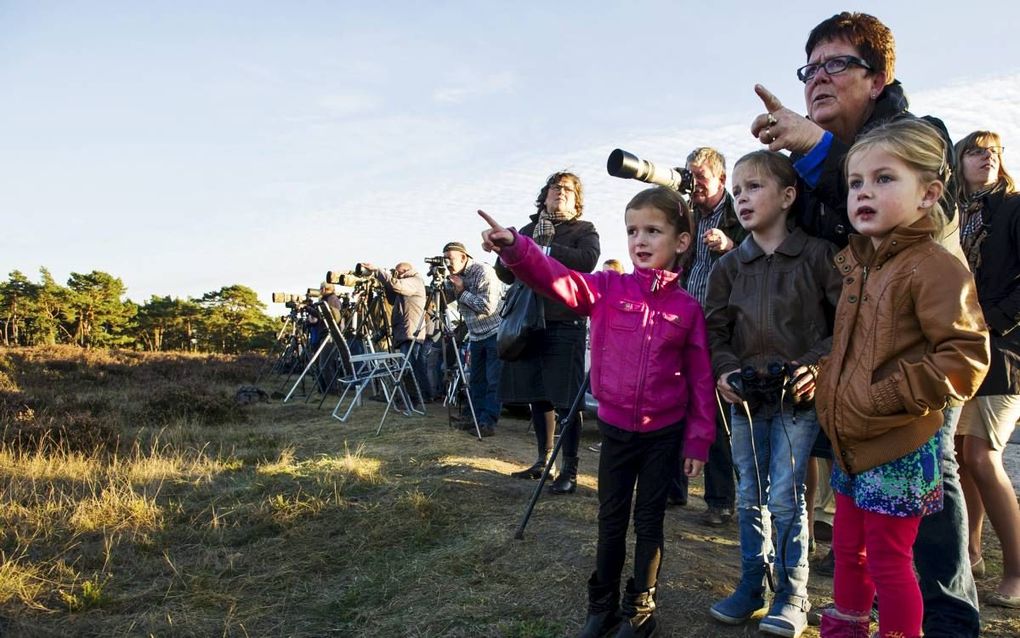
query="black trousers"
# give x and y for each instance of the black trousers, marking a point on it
(649, 461)
(720, 484)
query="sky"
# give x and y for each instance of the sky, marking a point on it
(184, 146)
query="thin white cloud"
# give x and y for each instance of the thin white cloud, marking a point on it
(347, 104)
(499, 83)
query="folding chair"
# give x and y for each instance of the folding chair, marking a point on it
(359, 371)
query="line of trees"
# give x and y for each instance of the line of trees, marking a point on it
(91, 311)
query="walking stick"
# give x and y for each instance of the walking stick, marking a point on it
(519, 534)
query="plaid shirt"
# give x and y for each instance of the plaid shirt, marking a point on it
(704, 258)
(479, 303)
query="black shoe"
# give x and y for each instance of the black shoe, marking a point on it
(535, 471)
(826, 566)
(485, 430)
(717, 516)
(566, 482)
(638, 610)
(603, 608)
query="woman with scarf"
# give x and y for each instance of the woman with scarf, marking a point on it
(550, 372)
(990, 232)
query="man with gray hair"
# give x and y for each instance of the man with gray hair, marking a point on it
(716, 232)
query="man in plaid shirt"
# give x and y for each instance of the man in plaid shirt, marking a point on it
(478, 292)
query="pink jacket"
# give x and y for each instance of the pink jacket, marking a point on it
(649, 350)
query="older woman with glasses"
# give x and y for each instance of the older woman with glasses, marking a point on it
(990, 231)
(850, 87)
(550, 371)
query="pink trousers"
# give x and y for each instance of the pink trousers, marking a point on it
(874, 554)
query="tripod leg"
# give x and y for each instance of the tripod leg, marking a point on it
(575, 406)
(311, 362)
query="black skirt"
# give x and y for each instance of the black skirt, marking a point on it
(551, 368)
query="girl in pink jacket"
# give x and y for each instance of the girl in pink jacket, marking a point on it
(651, 374)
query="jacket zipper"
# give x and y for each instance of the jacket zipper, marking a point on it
(762, 306)
(646, 339)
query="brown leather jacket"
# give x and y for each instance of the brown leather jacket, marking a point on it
(909, 337)
(763, 308)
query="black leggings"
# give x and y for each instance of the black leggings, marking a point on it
(650, 462)
(571, 433)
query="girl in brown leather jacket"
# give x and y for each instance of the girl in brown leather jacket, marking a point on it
(909, 337)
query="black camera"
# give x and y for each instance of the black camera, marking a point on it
(438, 267)
(346, 278)
(439, 272)
(764, 388)
(629, 166)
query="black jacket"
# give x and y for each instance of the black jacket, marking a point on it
(823, 212)
(998, 287)
(576, 246)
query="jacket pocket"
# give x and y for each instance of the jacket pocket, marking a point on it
(625, 315)
(621, 352)
(665, 387)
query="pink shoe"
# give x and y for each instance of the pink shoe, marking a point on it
(837, 623)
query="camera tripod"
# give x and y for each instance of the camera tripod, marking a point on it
(436, 311)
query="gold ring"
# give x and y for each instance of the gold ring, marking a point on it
(772, 120)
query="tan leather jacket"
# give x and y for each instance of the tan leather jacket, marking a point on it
(909, 337)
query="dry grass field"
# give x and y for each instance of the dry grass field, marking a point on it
(139, 500)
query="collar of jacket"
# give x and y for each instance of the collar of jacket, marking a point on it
(901, 238)
(891, 103)
(793, 245)
(653, 279)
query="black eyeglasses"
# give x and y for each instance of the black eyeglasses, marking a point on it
(979, 151)
(832, 66)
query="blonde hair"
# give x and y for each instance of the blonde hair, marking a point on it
(917, 144)
(613, 264)
(709, 158)
(984, 139)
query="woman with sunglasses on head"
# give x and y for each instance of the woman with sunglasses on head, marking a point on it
(850, 87)
(990, 232)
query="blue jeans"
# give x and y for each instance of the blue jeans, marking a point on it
(940, 553)
(486, 367)
(772, 474)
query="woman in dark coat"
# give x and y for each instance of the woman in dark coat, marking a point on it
(990, 230)
(550, 372)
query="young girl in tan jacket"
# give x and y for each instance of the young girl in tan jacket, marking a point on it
(909, 337)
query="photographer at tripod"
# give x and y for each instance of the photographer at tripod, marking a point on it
(405, 291)
(478, 292)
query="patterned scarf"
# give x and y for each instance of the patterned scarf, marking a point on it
(545, 227)
(974, 228)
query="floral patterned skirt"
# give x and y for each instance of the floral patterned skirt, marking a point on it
(908, 486)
